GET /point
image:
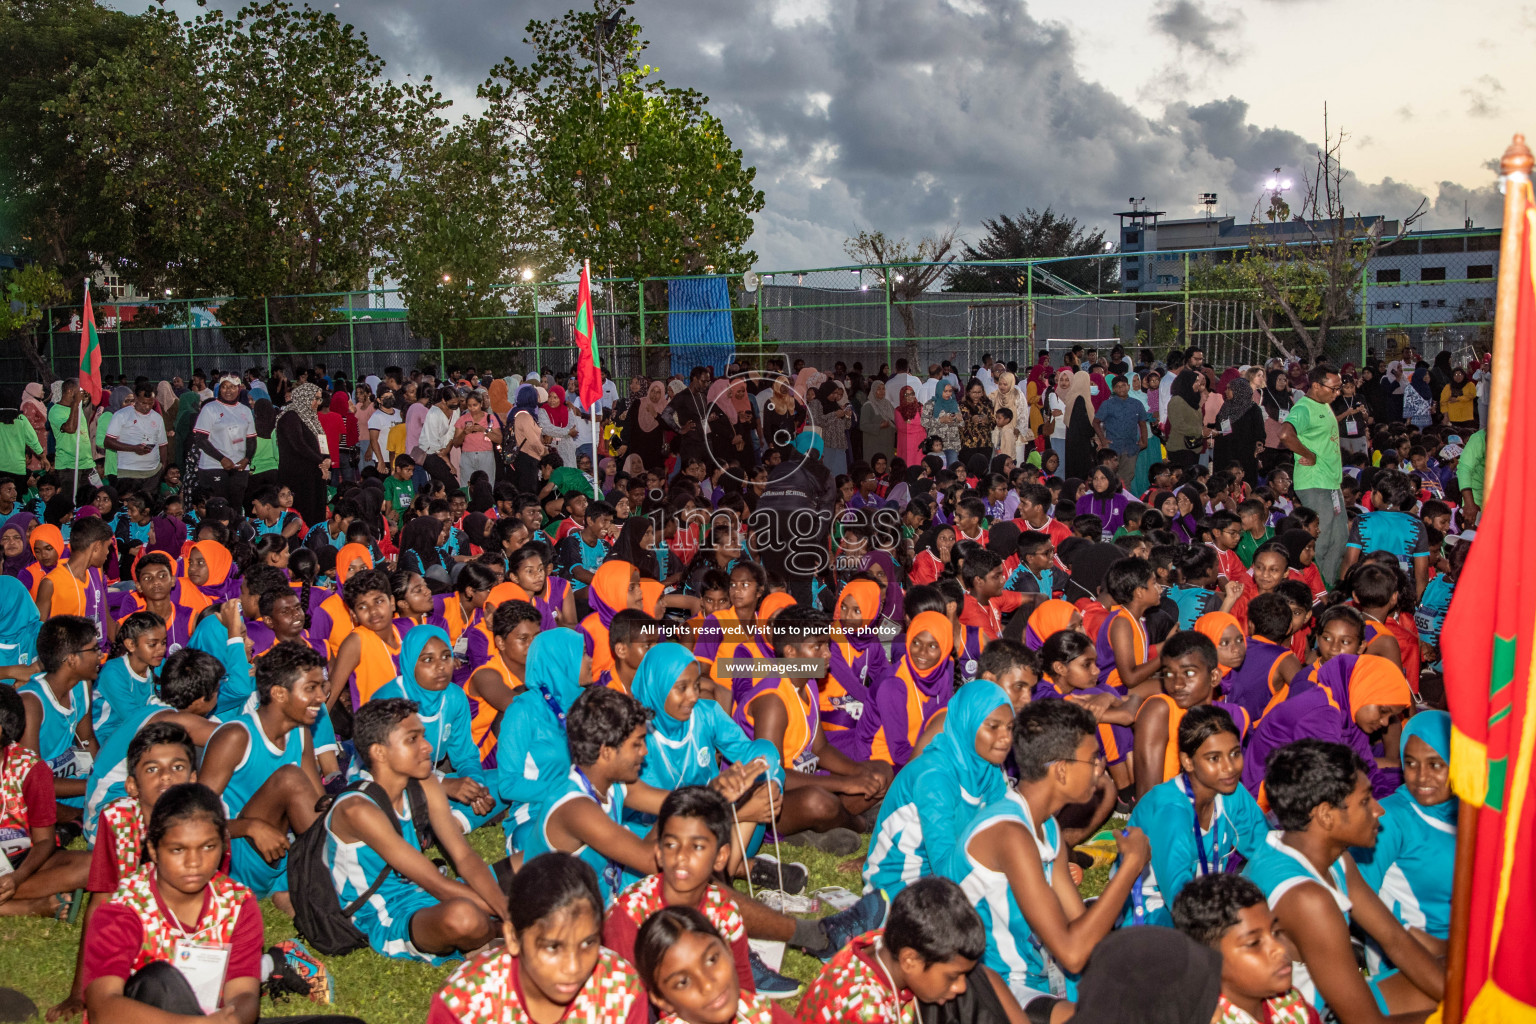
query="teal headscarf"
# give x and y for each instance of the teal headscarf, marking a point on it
(554, 665)
(1434, 728)
(942, 404)
(19, 622)
(956, 744)
(654, 680)
(416, 638)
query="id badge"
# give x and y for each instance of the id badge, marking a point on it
(203, 965)
(461, 646)
(1226, 427)
(1351, 428)
(1338, 503)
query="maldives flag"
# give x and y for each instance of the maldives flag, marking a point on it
(90, 351)
(1489, 634)
(589, 368)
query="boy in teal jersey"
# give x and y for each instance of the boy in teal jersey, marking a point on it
(58, 706)
(1321, 794)
(262, 764)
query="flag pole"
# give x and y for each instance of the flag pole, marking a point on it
(597, 488)
(74, 474)
(1515, 170)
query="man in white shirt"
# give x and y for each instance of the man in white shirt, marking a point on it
(902, 379)
(437, 437)
(384, 417)
(137, 433)
(225, 438)
(985, 375)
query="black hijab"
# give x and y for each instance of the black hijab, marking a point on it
(1184, 387)
(1150, 975)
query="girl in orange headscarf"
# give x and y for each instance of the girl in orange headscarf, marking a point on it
(1223, 630)
(615, 586)
(47, 545)
(922, 684)
(208, 569)
(1049, 617)
(332, 621)
(857, 664)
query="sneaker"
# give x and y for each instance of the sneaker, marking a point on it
(787, 903)
(838, 841)
(770, 982)
(865, 915)
(297, 971)
(768, 873)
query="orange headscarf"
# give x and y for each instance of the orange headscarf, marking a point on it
(610, 589)
(1051, 617)
(48, 533)
(771, 605)
(1375, 680)
(503, 592)
(345, 558)
(936, 623)
(1213, 625)
(650, 593)
(866, 594)
(219, 560)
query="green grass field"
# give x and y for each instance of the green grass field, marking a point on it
(39, 955)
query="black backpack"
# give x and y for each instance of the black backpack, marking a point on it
(317, 912)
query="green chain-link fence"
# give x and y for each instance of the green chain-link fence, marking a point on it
(1432, 291)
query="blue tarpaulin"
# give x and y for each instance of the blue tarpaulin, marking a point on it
(699, 331)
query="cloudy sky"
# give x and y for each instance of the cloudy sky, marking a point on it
(910, 116)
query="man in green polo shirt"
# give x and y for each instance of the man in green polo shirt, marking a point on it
(1312, 432)
(73, 456)
(17, 437)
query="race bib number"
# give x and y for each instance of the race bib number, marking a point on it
(203, 965)
(12, 841)
(74, 763)
(806, 762)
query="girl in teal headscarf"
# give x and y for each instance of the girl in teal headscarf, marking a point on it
(689, 735)
(531, 753)
(426, 677)
(1414, 858)
(934, 796)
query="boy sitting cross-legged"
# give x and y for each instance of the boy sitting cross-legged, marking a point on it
(1228, 914)
(262, 764)
(416, 913)
(35, 869)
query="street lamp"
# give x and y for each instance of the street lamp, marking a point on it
(527, 273)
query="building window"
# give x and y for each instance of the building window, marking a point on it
(1480, 272)
(1132, 237)
(1439, 303)
(1432, 274)
(1423, 303)
(1381, 305)
(1133, 274)
(1389, 276)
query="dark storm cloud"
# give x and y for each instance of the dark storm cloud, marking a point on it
(906, 116)
(1192, 27)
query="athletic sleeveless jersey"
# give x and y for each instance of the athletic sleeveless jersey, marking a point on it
(88, 599)
(117, 690)
(1277, 869)
(484, 990)
(483, 714)
(1104, 651)
(845, 697)
(16, 763)
(110, 770)
(1253, 683)
(354, 866)
(918, 708)
(720, 632)
(221, 912)
(1171, 768)
(32, 575)
(447, 729)
(1412, 864)
(576, 787)
(1114, 740)
(973, 640)
(332, 623)
(377, 664)
(804, 718)
(1013, 951)
(551, 601)
(56, 739)
(270, 642)
(1181, 851)
(261, 761)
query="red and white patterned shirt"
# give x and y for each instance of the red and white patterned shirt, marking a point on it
(119, 849)
(753, 1009)
(642, 899)
(854, 988)
(26, 795)
(486, 990)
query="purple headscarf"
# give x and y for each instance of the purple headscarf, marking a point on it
(167, 534)
(22, 521)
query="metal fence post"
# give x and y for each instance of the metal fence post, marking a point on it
(266, 319)
(536, 330)
(442, 359)
(352, 337)
(762, 343)
(886, 275)
(191, 353)
(1365, 316)
(640, 291)
(1029, 304)
(1186, 299)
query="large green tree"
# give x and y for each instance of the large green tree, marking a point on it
(259, 155)
(1029, 236)
(471, 250)
(52, 203)
(633, 174)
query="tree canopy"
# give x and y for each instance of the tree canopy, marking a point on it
(1032, 235)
